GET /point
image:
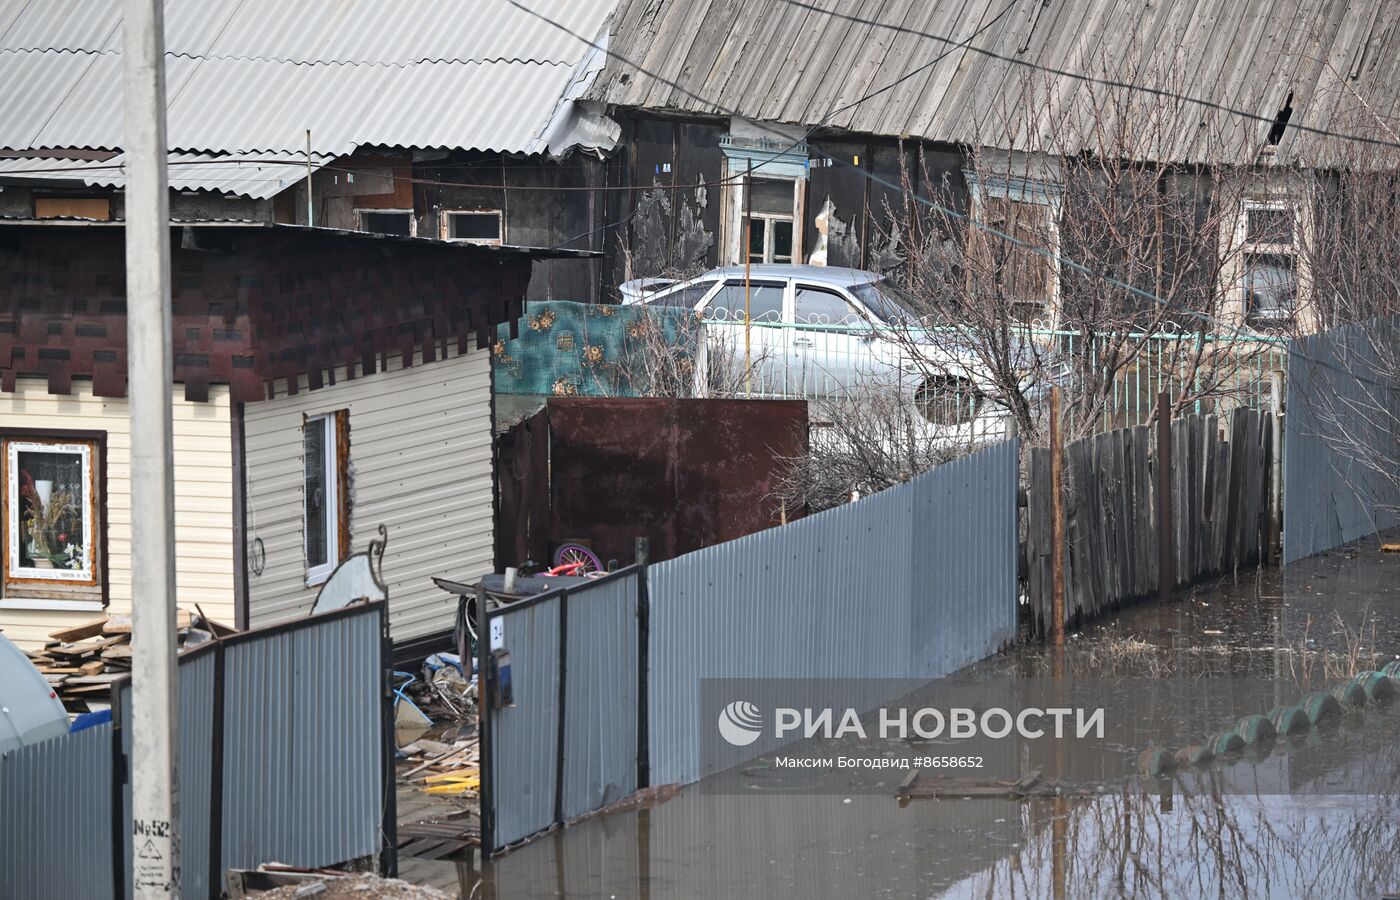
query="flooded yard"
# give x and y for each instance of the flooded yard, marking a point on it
(1319, 819)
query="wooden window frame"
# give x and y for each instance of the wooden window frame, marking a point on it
(733, 205)
(361, 212)
(58, 592)
(770, 220)
(1251, 250)
(980, 197)
(445, 226)
(337, 475)
(75, 203)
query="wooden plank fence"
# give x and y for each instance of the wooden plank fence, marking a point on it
(1219, 504)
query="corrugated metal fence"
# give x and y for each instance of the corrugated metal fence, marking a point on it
(1341, 446)
(282, 757)
(916, 581)
(56, 817)
(565, 741)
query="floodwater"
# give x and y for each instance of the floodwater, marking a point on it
(1194, 836)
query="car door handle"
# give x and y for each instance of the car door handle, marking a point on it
(802, 342)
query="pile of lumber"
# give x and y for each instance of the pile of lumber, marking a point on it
(444, 769)
(81, 662)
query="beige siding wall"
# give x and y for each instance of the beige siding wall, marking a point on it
(203, 499)
(420, 462)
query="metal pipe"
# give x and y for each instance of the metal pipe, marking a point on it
(310, 211)
(748, 244)
(155, 869)
(485, 732)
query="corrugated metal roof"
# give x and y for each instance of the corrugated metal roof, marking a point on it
(389, 32)
(256, 175)
(253, 76)
(793, 61)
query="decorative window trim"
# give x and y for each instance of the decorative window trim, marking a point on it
(445, 226)
(33, 588)
(1236, 248)
(770, 158)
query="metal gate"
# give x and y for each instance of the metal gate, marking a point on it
(561, 734)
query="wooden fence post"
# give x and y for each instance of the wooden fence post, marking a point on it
(1057, 512)
(1275, 548)
(1166, 557)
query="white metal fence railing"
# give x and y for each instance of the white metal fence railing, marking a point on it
(944, 371)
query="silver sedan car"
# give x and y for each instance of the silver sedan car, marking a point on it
(820, 332)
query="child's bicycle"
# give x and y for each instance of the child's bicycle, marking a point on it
(576, 560)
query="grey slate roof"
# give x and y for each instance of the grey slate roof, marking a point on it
(793, 62)
(251, 76)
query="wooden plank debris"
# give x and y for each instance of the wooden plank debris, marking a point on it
(83, 661)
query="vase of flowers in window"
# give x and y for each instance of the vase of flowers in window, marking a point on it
(47, 510)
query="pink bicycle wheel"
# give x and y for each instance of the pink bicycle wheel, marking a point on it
(570, 554)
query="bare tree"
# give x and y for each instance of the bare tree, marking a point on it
(864, 443)
(1110, 273)
(669, 352)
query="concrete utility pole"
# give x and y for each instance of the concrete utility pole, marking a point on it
(155, 807)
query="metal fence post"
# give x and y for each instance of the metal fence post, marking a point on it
(643, 559)
(120, 825)
(1276, 468)
(216, 773)
(483, 725)
(563, 705)
(389, 853)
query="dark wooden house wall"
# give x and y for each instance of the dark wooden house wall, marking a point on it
(865, 208)
(671, 228)
(544, 203)
(667, 218)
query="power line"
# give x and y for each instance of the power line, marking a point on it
(964, 44)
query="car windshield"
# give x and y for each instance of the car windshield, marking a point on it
(887, 302)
